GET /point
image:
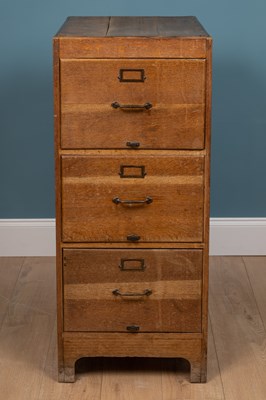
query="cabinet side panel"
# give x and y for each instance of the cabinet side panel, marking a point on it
(205, 277)
(56, 77)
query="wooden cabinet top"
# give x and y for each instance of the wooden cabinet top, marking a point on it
(132, 37)
(132, 27)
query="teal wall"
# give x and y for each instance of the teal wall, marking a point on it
(239, 99)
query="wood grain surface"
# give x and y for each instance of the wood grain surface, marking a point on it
(155, 26)
(8, 281)
(105, 265)
(89, 185)
(173, 276)
(112, 195)
(175, 88)
(238, 328)
(134, 47)
(175, 374)
(161, 37)
(27, 325)
(206, 227)
(255, 267)
(132, 26)
(84, 26)
(58, 209)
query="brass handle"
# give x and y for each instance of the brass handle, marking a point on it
(146, 292)
(146, 106)
(117, 200)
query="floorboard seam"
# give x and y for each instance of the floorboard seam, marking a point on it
(12, 294)
(101, 388)
(44, 364)
(216, 353)
(255, 299)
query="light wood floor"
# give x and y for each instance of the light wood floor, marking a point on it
(237, 341)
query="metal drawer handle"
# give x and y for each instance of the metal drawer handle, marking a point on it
(146, 292)
(133, 238)
(134, 145)
(148, 200)
(146, 106)
(133, 328)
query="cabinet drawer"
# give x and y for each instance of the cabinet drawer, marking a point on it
(111, 198)
(98, 288)
(175, 89)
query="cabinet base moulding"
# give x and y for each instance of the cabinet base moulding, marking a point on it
(187, 346)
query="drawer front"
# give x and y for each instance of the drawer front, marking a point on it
(111, 198)
(104, 290)
(174, 88)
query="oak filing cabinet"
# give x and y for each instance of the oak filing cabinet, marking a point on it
(132, 136)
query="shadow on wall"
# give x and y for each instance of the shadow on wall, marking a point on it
(238, 139)
(27, 144)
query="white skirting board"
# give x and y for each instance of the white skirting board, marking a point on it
(229, 236)
(238, 236)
